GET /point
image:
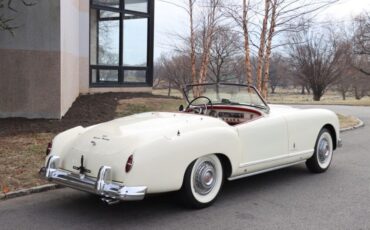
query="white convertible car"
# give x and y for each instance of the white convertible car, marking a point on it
(229, 132)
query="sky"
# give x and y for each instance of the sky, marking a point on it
(171, 20)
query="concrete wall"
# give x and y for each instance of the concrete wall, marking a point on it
(30, 63)
(45, 66)
(84, 45)
(69, 51)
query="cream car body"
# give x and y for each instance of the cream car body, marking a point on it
(163, 145)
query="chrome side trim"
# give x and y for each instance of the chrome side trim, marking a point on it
(263, 171)
(102, 185)
(275, 158)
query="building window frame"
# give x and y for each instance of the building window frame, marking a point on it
(121, 68)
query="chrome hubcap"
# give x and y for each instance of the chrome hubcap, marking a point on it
(324, 150)
(204, 178)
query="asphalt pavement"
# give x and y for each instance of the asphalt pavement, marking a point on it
(290, 198)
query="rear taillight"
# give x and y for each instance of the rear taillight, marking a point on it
(48, 149)
(129, 163)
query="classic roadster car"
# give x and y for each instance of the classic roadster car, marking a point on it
(227, 132)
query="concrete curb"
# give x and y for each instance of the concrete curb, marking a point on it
(359, 125)
(24, 192)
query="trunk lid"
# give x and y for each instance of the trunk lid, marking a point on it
(111, 143)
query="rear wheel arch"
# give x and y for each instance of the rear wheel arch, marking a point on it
(226, 164)
(225, 161)
(194, 190)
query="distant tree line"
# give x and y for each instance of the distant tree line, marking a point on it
(270, 44)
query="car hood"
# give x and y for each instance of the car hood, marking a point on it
(118, 139)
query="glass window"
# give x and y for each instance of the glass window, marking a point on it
(135, 35)
(135, 76)
(108, 14)
(137, 5)
(104, 76)
(104, 39)
(108, 50)
(108, 3)
(119, 42)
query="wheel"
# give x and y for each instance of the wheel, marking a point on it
(202, 182)
(321, 159)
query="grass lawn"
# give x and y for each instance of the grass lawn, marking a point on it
(283, 96)
(23, 142)
(291, 96)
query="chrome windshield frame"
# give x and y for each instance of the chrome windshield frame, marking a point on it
(187, 88)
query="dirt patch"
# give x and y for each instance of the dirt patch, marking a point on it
(347, 121)
(23, 141)
(128, 107)
(87, 110)
(20, 158)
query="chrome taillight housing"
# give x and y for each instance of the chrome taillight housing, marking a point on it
(129, 163)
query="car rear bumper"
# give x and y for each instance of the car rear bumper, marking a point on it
(102, 185)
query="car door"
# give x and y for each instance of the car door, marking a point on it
(264, 143)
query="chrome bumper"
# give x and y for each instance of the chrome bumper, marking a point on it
(340, 143)
(102, 185)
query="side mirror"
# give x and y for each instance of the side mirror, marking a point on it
(181, 108)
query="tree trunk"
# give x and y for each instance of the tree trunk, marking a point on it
(316, 97)
(303, 90)
(268, 51)
(343, 95)
(207, 41)
(308, 90)
(192, 47)
(317, 94)
(261, 49)
(248, 64)
(169, 88)
(357, 94)
(273, 89)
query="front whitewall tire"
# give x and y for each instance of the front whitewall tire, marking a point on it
(323, 155)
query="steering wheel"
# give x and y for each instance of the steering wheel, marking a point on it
(200, 109)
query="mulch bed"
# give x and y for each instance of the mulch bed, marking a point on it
(86, 110)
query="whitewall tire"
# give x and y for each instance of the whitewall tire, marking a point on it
(202, 182)
(323, 155)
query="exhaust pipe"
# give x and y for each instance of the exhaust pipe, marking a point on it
(109, 201)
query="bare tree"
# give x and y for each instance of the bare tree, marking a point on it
(360, 79)
(279, 72)
(276, 17)
(8, 7)
(344, 84)
(224, 50)
(318, 61)
(210, 19)
(174, 72)
(261, 49)
(361, 39)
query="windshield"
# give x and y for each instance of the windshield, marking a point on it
(227, 94)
